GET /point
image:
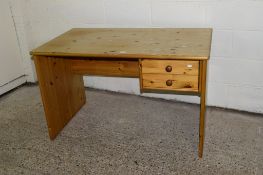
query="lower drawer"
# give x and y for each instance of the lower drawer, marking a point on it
(170, 82)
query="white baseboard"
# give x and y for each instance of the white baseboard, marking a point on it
(12, 84)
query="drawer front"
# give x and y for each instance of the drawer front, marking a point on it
(170, 82)
(178, 67)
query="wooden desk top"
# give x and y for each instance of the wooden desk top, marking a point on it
(156, 43)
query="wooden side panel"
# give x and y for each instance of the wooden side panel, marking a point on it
(62, 92)
(179, 82)
(106, 68)
(178, 67)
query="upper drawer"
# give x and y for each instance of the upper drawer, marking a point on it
(180, 67)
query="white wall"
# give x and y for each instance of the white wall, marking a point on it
(235, 77)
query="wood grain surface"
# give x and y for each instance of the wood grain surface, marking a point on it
(181, 67)
(179, 82)
(169, 60)
(62, 92)
(153, 43)
(105, 68)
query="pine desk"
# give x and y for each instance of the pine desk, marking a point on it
(165, 61)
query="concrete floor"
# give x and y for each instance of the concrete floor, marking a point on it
(125, 134)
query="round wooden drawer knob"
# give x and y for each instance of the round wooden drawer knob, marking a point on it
(169, 82)
(168, 68)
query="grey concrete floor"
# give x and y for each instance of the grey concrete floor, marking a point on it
(125, 134)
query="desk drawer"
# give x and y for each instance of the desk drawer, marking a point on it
(170, 82)
(176, 75)
(178, 67)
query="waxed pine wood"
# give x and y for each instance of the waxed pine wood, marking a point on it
(179, 82)
(62, 92)
(143, 53)
(183, 75)
(105, 68)
(181, 67)
(202, 108)
(133, 43)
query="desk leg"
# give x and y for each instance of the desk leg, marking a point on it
(202, 108)
(62, 92)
